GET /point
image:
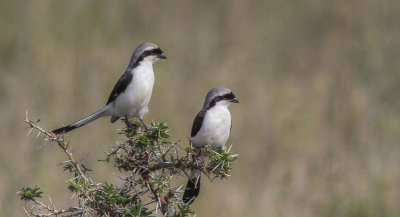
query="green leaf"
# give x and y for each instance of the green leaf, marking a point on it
(184, 211)
(29, 193)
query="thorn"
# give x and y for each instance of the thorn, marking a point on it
(51, 203)
(229, 149)
(215, 152)
(26, 212)
(29, 132)
(216, 167)
(159, 201)
(179, 188)
(47, 142)
(209, 178)
(64, 162)
(38, 134)
(190, 201)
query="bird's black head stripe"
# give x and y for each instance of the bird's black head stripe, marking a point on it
(155, 51)
(228, 96)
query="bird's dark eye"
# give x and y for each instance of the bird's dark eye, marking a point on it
(229, 96)
(158, 51)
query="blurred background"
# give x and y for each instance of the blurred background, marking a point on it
(317, 129)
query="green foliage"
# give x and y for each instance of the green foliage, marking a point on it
(138, 211)
(184, 211)
(221, 161)
(156, 134)
(146, 145)
(29, 193)
(148, 162)
(77, 185)
(110, 195)
(71, 168)
(162, 183)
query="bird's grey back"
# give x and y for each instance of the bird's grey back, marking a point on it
(139, 50)
(216, 91)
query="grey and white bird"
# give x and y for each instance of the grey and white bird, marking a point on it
(211, 126)
(131, 94)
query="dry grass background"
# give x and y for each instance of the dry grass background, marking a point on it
(317, 129)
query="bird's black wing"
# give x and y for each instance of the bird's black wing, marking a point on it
(198, 122)
(120, 86)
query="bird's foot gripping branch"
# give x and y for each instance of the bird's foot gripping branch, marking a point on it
(147, 163)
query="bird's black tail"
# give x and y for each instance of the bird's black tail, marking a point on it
(192, 189)
(81, 122)
(65, 129)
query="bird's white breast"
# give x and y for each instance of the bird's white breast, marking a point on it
(134, 101)
(215, 129)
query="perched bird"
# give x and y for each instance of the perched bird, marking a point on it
(131, 94)
(211, 126)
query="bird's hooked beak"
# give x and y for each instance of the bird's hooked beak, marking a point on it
(162, 56)
(235, 100)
